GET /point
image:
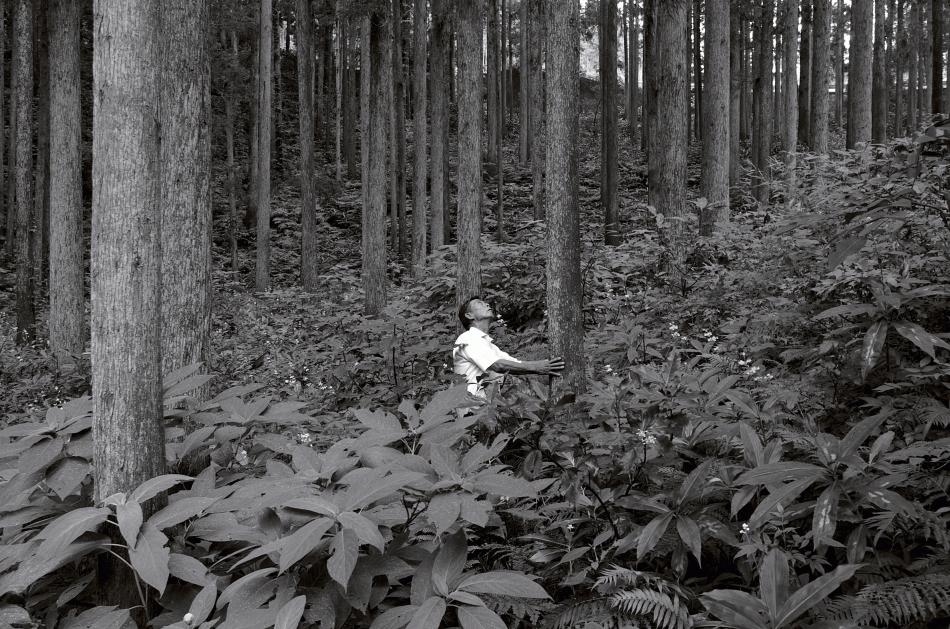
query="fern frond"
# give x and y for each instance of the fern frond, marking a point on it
(904, 601)
(588, 610)
(667, 613)
(528, 609)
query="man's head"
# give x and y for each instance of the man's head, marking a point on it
(474, 310)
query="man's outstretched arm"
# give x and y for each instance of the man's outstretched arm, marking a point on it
(552, 367)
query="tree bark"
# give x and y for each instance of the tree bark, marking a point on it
(839, 64)
(67, 303)
(913, 68)
(398, 140)
(735, 94)
(264, 116)
(524, 141)
(419, 113)
(491, 72)
(500, 110)
(762, 107)
(40, 245)
(229, 40)
(714, 184)
(609, 180)
(634, 73)
(441, 119)
(900, 65)
(821, 40)
(25, 218)
(350, 90)
(859, 78)
(938, 7)
(469, 15)
(879, 94)
(536, 28)
(7, 210)
(564, 290)
(790, 95)
(309, 221)
(374, 217)
(126, 263)
(804, 85)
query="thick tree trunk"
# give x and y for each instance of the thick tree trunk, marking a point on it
(536, 28)
(67, 304)
(763, 105)
(264, 117)
(697, 73)
(398, 139)
(564, 291)
(821, 41)
(6, 210)
(309, 243)
(609, 174)
(668, 134)
(126, 264)
(859, 78)
(41, 186)
(879, 94)
(12, 147)
(441, 34)
(716, 141)
(25, 218)
(419, 113)
(925, 79)
(804, 85)
(469, 32)
(374, 217)
(647, 109)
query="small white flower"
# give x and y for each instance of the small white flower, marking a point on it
(713, 339)
(746, 529)
(608, 369)
(188, 618)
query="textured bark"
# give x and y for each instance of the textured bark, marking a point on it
(735, 95)
(839, 64)
(25, 219)
(564, 291)
(6, 209)
(524, 137)
(804, 85)
(609, 176)
(900, 65)
(937, 10)
(668, 134)
(230, 104)
(469, 37)
(697, 72)
(398, 140)
(762, 106)
(821, 41)
(912, 70)
(186, 183)
(309, 244)
(67, 303)
(501, 112)
(126, 263)
(40, 245)
(376, 144)
(880, 97)
(11, 148)
(419, 113)
(438, 199)
(716, 139)
(265, 116)
(790, 96)
(536, 28)
(491, 97)
(351, 92)
(925, 65)
(634, 73)
(859, 78)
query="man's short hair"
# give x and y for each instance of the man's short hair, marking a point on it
(463, 310)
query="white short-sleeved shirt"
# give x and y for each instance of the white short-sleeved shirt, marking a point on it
(473, 354)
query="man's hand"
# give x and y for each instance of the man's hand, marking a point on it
(554, 366)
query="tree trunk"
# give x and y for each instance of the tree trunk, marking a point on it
(913, 69)
(609, 180)
(564, 290)
(6, 210)
(41, 187)
(804, 85)
(277, 112)
(419, 113)
(839, 64)
(469, 31)
(491, 56)
(12, 210)
(309, 221)
(821, 41)
(441, 120)
(879, 95)
(350, 91)
(634, 73)
(697, 73)
(25, 218)
(230, 104)
(790, 95)
(762, 108)
(264, 117)
(536, 38)
(900, 65)
(67, 312)
(339, 115)
(649, 54)
(126, 265)
(938, 7)
(374, 217)
(398, 160)
(735, 94)
(859, 77)
(668, 135)
(716, 140)
(925, 80)
(524, 142)
(501, 123)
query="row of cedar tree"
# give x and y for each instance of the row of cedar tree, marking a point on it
(161, 69)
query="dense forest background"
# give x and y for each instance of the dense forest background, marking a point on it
(236, 235)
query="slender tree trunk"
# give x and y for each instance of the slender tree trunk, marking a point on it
(309, 221)
(821, 40)
(900, 67)
(67, 303)
(716, 142)
(419, 113)
(6, 210)
(351, 91)
(277, 112)
(40, 245)
(230, 102)
(839, 64)
(668, 135)
(491, 55)
(392, 174)
(913, 69)
(399, 141)
(25, 218)
(440, 122)
(264, 116)
(748, 77)
(12, 209)
(938, 7)
(697, 72)
(126, 265)
(649, 55)
(536, 38)
(324, 60)
(764, 116)
(804, 84)
(859, 78)
(925, 80)
(609, 177)
(790, 95)
(524, 137)
(339, 115)
(374, 217)
(634, 71)
(564, 290)
(735, 94)
(470, 117)
(879, 96)
(501, 122)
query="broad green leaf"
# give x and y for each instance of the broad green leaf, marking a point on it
(920, 337)
(502, 485)
(689, 532)
(443, 510)
(744, 401)
(188, 569)
(450, 560)
(41, 454)
(395, 618)
(314, 505)
(692, 487)
(857, 543)
(187, 386)
(255, 618)
(130, 518)
(845, 249)
(779, 496)
(825, 518)
(173, 378)
(361, 494)
(249, 592)
(479, 618)
(345, 548)
(365, 530)
(652, 533)
(813, 593)
(421, 588)
(466, 598)
(751, 444)
(101, 617)
(441, 405)
(203, 604)
(155, 486)
(503, 582)
(773, 581)
(295, 547)
(290, 614)
(377, 419)
(739, 610)
(306, 459)
(775, 473)
(860, 433)
(475, 511)
(429, 615)
(66, 475)
(149, 558)
(179, 511)
(65, 529)
(873, 342)
(37, 566)
(194, 439)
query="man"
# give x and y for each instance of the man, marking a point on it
(481, 361)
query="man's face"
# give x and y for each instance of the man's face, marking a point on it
(480, 310)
